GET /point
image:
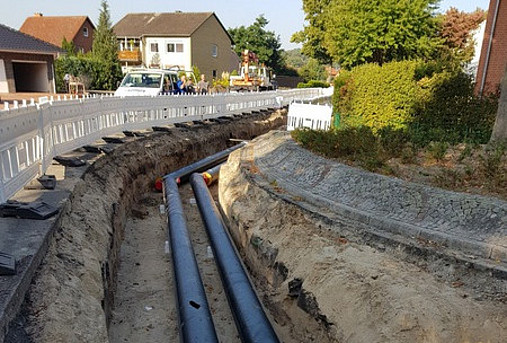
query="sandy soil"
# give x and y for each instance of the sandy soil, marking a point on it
(72, 295)
(318, 285)
(353, 291)
(144, 309)
(145, 303)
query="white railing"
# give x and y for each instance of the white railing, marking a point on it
(31, 134)
(315, 117)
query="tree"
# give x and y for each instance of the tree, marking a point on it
(456, 29)
(500, 128)
(105, 45)
(69, 47)
(265, 44)
(105, 48)
(313, 70)
(353, 32)
(312, 35)
(295, 58)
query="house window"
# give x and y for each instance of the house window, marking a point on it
(214, 73)
(154, 47)
(85, 31)
(214, 50)
(171, 47)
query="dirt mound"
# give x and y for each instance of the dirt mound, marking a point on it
(350, 291)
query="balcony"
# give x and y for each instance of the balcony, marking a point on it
(130, 56)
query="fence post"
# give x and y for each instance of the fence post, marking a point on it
(44, 142)
(2, 191)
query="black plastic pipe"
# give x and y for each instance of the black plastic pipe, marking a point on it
(251, 320)
(182, 174)
(196, 323)
(211, 175)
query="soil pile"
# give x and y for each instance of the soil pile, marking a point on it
(349, 290)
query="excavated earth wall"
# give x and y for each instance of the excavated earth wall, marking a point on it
(350, 256)
(71, 297)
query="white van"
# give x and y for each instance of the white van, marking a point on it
(148, 82)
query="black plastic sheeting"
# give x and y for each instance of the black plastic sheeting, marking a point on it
(251, 320)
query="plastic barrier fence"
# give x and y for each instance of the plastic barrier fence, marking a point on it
(32, 134)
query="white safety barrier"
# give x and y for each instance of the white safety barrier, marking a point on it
(32, 134)
(316, 117)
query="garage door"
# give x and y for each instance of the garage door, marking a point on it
(31, 76)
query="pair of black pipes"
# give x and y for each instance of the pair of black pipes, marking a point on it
(196, 324)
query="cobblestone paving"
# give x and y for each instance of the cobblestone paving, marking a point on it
(472, 224)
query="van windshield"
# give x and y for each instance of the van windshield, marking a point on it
(146, 80)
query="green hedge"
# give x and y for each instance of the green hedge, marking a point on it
(354, 143)
(448, 110)
(313, 84)
(95, 74)
(377, 96)
(426, 100)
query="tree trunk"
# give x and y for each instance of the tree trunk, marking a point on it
(500, 129)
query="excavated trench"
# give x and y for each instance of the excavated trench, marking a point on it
(72, 297)
(107, 278)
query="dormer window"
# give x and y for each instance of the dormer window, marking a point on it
(85, 31)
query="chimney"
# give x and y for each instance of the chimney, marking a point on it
(38, 14)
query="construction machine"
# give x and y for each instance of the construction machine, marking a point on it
(253, 76)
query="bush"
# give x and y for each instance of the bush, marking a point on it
(313, 84)
(197, 72)
(428, 101)
(379, 96)
(222, 83)
(343, 87)
(393, 141)
(448, 110)
(354, 143)
(493, 166)
(97, 74)
(437, 150)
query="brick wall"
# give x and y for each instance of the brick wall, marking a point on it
(83, 42)
(497, 63)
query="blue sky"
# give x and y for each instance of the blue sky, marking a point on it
(285, 16)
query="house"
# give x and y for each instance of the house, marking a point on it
(477, 37)
(26, 63)
(76, 29)
(177, 39)
(493, 60)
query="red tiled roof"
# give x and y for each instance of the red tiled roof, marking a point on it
(15, 41)
(53, 29)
